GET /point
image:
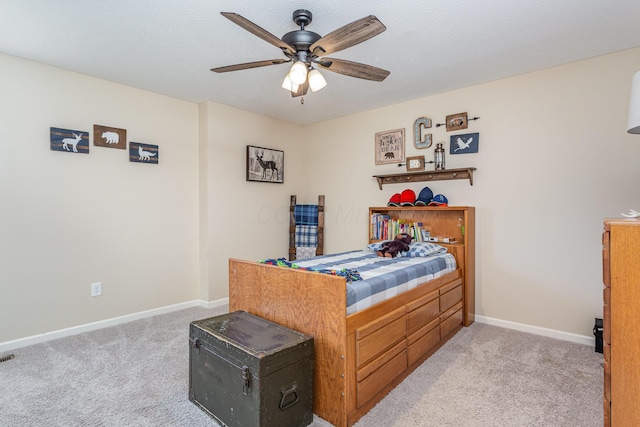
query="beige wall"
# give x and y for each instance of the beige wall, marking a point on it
(247, 220)
(67, 220)
(554, 160)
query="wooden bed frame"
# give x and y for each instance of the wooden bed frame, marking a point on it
(361, 357)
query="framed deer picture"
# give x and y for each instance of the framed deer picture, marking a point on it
(265, 164)
(71, 141)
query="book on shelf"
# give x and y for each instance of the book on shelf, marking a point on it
(383, 227)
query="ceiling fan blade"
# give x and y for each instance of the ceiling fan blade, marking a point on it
(248, 65)
(302, 90)
(258, 31)
(353, 69)
(348, 35)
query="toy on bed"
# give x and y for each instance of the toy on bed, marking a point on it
(392, 248)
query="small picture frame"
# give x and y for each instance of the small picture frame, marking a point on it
(389, 146)
(415, 163)
(465, 143)
(107, 136)
(69, 140)
(143, 153)
(265, 164)
(457, 121)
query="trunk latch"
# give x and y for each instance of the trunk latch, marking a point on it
(246, 380)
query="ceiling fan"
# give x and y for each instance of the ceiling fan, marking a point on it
(306, 50)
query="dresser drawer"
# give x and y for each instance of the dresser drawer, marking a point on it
(606, 353)
(606, 314)
(606, 274)
(606, 401)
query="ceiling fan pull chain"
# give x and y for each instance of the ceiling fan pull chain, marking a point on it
(302, 100)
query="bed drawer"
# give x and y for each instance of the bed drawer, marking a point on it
(376, 337)
(372, 384)
(423, 313)
(449, 298)
(451, 319)
(423, 341)
(422, 331)
(379, 361)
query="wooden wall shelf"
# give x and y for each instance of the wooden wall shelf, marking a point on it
(435, 175)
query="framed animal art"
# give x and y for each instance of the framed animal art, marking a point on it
(389, 147)
(265, 164)
(466, 143)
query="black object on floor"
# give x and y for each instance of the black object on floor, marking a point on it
(246, 371)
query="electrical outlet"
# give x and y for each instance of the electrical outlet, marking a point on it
(96, 289)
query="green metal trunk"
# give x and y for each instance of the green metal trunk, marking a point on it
(246, 371)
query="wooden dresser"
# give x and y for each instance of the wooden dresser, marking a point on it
(621, 335)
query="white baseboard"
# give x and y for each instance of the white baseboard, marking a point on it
(214, 304)
(87, 327)
(47, 336)
(537, 330)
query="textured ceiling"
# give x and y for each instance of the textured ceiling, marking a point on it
(169, 46)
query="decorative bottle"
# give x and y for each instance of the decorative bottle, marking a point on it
(439, 156)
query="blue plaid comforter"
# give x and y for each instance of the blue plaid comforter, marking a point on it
(383, 278)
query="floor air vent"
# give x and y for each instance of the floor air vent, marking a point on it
(7, 357)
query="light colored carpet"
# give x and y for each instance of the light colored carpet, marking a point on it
(136, 374)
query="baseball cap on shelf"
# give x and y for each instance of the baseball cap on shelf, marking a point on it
(394, 200)
(424, 197)
(439, 200)
(407, 198)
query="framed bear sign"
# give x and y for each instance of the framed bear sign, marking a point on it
(389, 147)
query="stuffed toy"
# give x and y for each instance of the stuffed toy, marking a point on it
(393, 247)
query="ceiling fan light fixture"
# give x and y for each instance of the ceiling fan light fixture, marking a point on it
(288, 84)
(298, 73)
(316, 80)
(303, 48)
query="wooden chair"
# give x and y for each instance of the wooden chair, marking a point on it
(299, 211)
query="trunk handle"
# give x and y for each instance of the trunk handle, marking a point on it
(285, 394)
